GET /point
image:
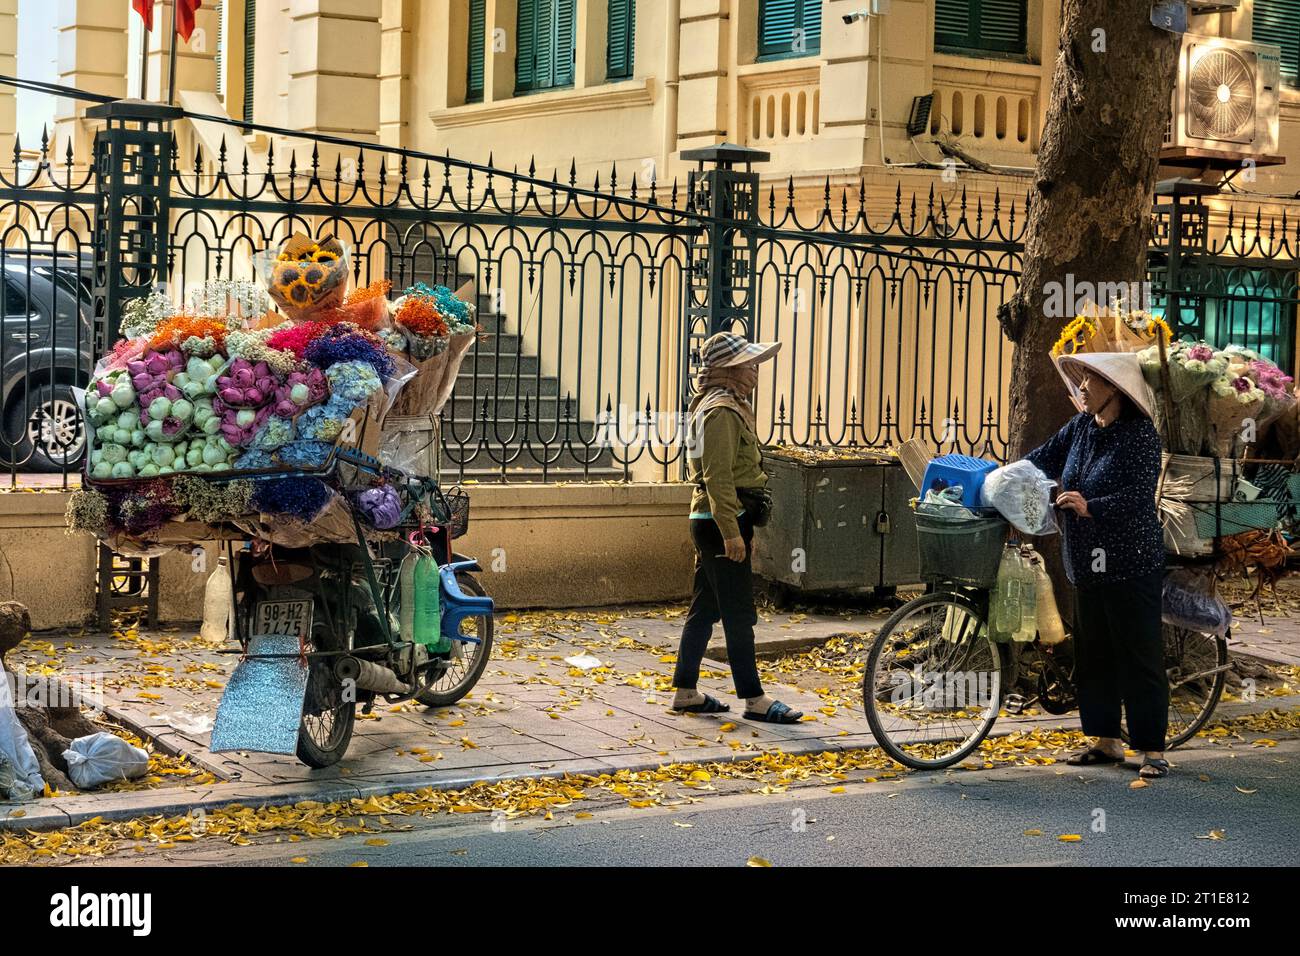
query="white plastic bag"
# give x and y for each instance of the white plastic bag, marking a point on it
(20, 772)
(1023, 495)
(104, 758)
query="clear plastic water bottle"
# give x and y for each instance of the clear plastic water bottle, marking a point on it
(1007, 614)
(406, 604)
(217, 595)
(1027, 627)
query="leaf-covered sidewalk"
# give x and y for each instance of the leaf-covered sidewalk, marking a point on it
(544, 709)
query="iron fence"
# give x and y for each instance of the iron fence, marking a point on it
(593, 298)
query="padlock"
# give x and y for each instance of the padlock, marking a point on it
(883, 525)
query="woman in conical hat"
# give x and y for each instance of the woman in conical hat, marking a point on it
(723, 462)
(1106, 461)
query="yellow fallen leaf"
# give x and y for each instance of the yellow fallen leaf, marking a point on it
(376, 842)
(837, 790)
(701, 775)
(583, 815)
(299, 859)
(359, 863)
(1033, 833)
(757, 861)
(1138, 785)
(727, 728)
(1069, 838)
(1212, 835)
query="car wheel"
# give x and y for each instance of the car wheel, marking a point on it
(48, 429)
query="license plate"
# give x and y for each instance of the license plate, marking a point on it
(291, 618)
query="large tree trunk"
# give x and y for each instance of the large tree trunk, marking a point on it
(1090, 204)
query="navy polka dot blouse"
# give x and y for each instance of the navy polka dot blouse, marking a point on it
(1116, 469)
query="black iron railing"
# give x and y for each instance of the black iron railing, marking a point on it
(594, 296)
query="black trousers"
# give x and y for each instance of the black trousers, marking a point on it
(1119, 661)
(724, 591)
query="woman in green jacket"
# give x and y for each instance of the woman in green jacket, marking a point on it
(723, 462)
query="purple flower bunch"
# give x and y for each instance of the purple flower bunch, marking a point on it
(245, 399)
(348, 343)
(1274, 382)
(301, 390)
(151, 378)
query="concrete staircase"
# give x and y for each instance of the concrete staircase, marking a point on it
(504, 407)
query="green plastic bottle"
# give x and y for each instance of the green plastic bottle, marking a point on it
(428, 613)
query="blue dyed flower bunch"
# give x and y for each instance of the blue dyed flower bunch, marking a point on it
(302, 498)
(354, 382)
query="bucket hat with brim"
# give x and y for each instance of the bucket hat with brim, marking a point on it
(727, 350)
(1120, 369)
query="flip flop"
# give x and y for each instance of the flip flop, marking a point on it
(1093, 757)
(710, 705)
(1158, 766)
(778, 713)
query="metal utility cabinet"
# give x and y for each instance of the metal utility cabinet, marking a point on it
(838, 523)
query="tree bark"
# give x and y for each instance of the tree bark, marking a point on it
(1090, 202)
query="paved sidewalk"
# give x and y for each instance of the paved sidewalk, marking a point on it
(533, 714)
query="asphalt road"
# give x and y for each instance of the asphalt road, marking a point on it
(959, 818)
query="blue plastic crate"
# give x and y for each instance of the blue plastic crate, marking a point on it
(949, 470)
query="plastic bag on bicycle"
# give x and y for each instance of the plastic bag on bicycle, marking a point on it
(1191, 600)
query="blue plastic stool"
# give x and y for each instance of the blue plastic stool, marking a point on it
(457, 605)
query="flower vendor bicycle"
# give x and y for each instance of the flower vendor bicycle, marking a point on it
(936, 681)
(342, 602)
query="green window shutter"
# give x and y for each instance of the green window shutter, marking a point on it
(250, 56)
(982, 26)
(476, 39)
(622, 39)
(1278, 22)
(526, 51)
(565, 42)
(546, 32)
(782, 22)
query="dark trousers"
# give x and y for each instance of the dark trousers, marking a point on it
(1119, 661)
(724, 591)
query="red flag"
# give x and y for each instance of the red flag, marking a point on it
(185, 17)
(145, 9)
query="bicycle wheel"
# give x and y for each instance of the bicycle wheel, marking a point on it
(934, 681)
(467, 660)
(1197, 665)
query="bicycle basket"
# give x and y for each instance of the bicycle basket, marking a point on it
(962, 550)
(455, 504)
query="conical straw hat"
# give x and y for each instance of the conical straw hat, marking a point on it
(1120, 369)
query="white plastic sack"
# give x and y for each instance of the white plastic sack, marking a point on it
(20, 774)
(104, 758)
(1023, 495)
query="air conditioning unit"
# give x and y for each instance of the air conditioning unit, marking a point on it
(1226, 97)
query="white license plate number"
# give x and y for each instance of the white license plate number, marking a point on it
(291, 618)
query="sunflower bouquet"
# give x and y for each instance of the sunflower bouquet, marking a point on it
(305, 277)
(1097, 330)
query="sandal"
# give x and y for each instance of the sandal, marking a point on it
(1153, 767)
(1093, 757)
(778, 713)
(710, 705)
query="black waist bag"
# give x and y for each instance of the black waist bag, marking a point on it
(757, 503)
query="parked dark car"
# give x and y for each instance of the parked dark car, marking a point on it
(46, 350)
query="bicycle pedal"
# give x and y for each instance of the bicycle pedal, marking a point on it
(1014, 703)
